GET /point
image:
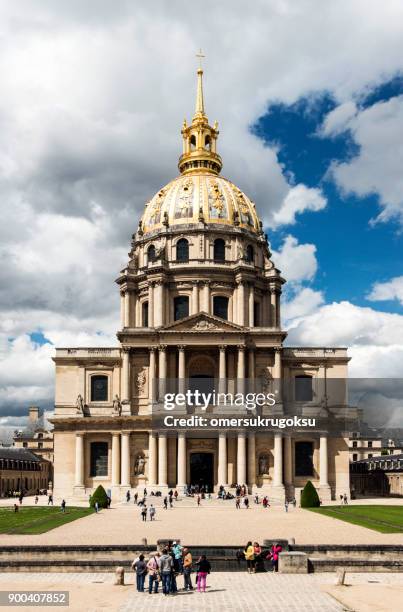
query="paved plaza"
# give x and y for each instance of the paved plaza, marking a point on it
(215, 522)
(226, 591)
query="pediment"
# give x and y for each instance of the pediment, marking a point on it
(202, 322)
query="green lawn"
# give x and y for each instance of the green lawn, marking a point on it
(385, 519)
(34, 519)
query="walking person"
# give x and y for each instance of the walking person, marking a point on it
(238, 503)
(286, 505)
(36, 500)
(63, 506)
(345, 499)
(249, 553)
(246, 503)
(96, 506)
(128, 496)
(166, 502)
(187, 569)
(140, 568)
(165, 566)
(136, 495)
(203, 568)
(152, 512)
(153, 572)
(50, 500)
(144, 513)
(198, 500)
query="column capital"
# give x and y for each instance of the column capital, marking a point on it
(241, 347)
(152, 349)
(126, 350)
(181, 347)
(162, 347)
(222, 347)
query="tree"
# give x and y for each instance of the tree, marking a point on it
(99, 496)
(309, 496)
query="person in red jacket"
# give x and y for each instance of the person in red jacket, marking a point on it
(273, 555)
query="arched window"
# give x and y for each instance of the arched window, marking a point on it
(99, 388)
(99, 459)
(304, 459)
(256, 314)
(181, 307)
(220, 306)
(303, 388)
(219, 250)
(151, 253)
(192, 142)
(207, 142)
(250, 254)
(182, 250)
(144, 314)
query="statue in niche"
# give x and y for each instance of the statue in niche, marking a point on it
(263, 465)
(80, 404)
(139, 465)
(117, 406)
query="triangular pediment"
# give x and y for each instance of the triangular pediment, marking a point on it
(202, 322)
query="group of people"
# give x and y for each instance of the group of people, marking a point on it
(255, 556)
(165, 568)
(343, 499)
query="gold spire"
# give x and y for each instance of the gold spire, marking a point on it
(199, 110)
(199, 138)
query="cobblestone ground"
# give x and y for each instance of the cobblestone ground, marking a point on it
(226, 591)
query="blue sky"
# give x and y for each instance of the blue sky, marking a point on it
(352, 252)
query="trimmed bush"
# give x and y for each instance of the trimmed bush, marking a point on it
(309, 496)
(99, 496)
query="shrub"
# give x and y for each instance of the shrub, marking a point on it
(309, 496)
(99, 496)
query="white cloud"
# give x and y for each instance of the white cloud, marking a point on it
(389, 290)
(305, 302)
(374, 339)
(296, 261)
(338, 120)
(377, 169)
(299, 199)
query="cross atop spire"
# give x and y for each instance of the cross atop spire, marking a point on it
(199, 110)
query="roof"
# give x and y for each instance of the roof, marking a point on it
(18, 454)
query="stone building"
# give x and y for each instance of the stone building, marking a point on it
(37, 436)
(200, 299)
(22, 471)
(377, 476)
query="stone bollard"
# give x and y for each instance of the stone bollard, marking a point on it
(144, 541)
(291, 542)
(340, 576)
(119, 576)
(293, 563)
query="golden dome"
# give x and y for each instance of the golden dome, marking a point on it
(199, 198)
(199, 195)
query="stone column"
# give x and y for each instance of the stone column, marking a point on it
(151, 305)
(251, 306)
(278, 318)
(241, 370)
(277, 375)
(162, 370)
(162, 460)
(181, 369)
(251, 369)
(127, 308)
(158, 304)
(125, 461)
(241, 458)
(151, 375)
(79, 479)
(278, 461)
(222, 370)
(323, 462)
(181, 473)
(251, 460)
(206, 297)
(288, 462)
(122, 308)
(125, 392)
(195, 297)
(152, 459)
(273, 315)
(115, 459)
(241, 303)
(222, 458)
(135, 314)
(266, 309)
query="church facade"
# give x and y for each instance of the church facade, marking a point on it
(200, 303)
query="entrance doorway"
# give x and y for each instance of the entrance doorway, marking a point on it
(202, 470)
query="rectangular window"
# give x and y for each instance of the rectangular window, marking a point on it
(99, 388)
(181, 307)
(303, 388)
(99, 459)
(304, 459)
(145, 314)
